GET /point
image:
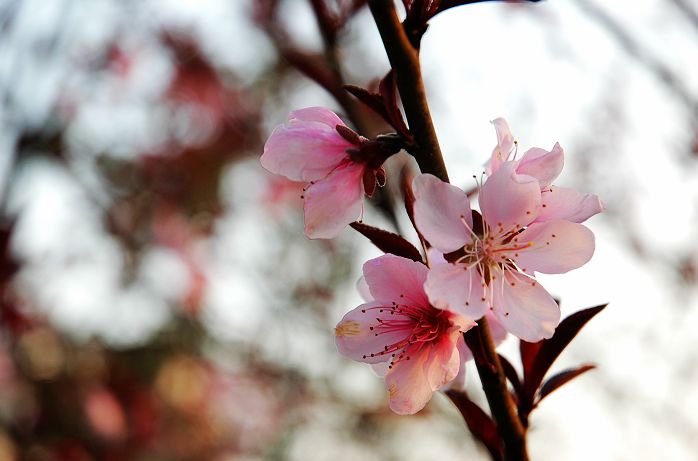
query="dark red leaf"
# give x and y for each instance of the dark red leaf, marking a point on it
(551, 348)
(511, 375)
(388, 242)
(528, 352)
(372, 100)
(479, 423)
(388, 94)
(562, 378)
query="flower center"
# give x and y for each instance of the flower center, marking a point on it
(407, 329)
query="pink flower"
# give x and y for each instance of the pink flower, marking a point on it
(315, 146)
(491, 265)
(420, 348)
(545, 166)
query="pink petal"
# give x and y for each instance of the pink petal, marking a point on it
(407, 386)
(411, 383)
(307, 147)
(509, 200)
(356, 339)
(499, 334)
(439, 211)
(465, 354)
(524, 308)
(334, 202)
(363, 289)
(543, 165)
(444, 360)
(505, 144)
(392, 278)
(316, 114)
(451, 287)
(555, 247)
(568, 204)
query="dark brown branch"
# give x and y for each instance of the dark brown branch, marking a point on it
(404, 59)
(494, 383)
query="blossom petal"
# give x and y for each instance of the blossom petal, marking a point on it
(543, 165)
(307, 147)
(393, 278)
(554, 247)
(316, 114)
(524, 308)
(411, 383)
(465, 354)
(452, 287)
(505, 144)
(363, 289)
(408, 388)
(568, 204)
(439, 212)
(357, 338)
(499, 334)
(334, 202)
(509, 200)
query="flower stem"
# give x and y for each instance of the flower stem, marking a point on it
(500, 400)
(404, 59)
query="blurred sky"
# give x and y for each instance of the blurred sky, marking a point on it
(615, 83)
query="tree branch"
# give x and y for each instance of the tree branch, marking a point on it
(404, 59)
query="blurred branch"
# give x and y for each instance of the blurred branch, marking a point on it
(688, 10)
(631, 46)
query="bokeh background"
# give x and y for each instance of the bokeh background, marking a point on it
(159, 301)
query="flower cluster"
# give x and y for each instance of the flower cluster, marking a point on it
(479, 263)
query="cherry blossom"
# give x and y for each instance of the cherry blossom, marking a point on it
(316, 147)
(544, 166)
(491, 265)
(417, 347)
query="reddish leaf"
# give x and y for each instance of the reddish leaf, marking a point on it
(562, 378)
(388, 242)
(384, 103)
(551, 348)
(528, 352)
(479, 423)
(388, 94)
(372, 100)
(511, 375)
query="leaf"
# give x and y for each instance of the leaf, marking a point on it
(562, 378)
(384, 103)
(550, 349)
(479, 423)
(372, 100)
(388, 93)
(388, 242)
(528, 352)
(511, 375)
